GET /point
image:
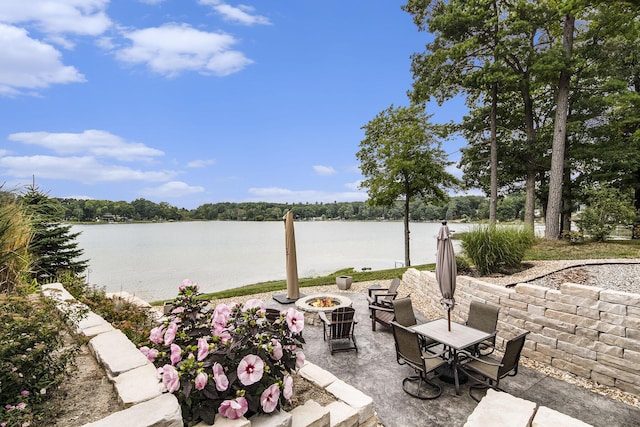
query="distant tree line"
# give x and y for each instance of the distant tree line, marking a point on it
(467, 208)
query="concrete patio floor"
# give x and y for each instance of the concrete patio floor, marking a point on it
(375, 371)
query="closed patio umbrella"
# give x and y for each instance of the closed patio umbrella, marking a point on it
(446, 269)
(293, 287)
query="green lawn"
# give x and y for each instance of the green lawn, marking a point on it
(542, 250)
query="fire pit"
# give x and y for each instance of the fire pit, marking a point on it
(312, 304)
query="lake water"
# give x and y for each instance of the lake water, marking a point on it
(150, 260)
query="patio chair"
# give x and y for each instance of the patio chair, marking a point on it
(409, 352)
(383, 296)
(483, 317)
(487, 371)
(380, 303)
(338, 330)
(404, 315)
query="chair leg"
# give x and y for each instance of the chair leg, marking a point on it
(418, 382)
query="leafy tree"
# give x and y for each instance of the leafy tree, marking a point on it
(401, 158)
(53, 247)
(607, 208)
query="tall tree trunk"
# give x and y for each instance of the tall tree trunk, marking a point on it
(407, 259)
(530, 180)
(552, 221)
(567, 202)
(493, 200)
(635, 234)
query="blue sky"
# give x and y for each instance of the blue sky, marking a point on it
(199, 101)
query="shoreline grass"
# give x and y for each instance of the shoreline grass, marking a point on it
(543, 250)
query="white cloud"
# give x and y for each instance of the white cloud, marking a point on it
(200, 163)
(173, 48)
(283, 195)
(171, 189)
(83, 17)
(26, 63)
(324, 170)
(242, 14)
(94, 142)
(83, 169)
(353, 185)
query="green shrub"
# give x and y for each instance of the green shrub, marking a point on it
(34, 358)
(492, 249)
(133, 320)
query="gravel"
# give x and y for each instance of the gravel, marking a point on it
(620, 277)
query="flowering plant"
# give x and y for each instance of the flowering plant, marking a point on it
(232, 360)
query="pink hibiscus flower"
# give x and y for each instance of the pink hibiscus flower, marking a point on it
(176, 354)
(300, 359)
(219, 377)
(287, 391)
(233, 409)
(220, 318)
(157, 335)
(269, 398)
(250, 369)
(201, 380)
(253, 303)
(203, 348)
(276, 353)
(170, 378)
(295, 320)
(170, 333)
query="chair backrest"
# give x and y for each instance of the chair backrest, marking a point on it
(511, 356)
(403, 311)
(407, 346)
(483, 317)
(392, 291)
(342, 322)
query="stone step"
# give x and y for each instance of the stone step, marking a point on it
(547, 417)
(163, 411)
(498, 409)
(353, 397)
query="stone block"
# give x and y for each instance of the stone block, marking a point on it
(620, 341)
(628, 387)
(577, 350)
(571, 367)
(311, 414)
(57, 292)
(591, 313)
(371, 422)
(588, 333)
(603, 379)
(220, 421)
(138, 385)
(533, 290)
(342, 415)
(275, 419)
(630, 367)
(536, 309)
(561, 306)
(619, 297)
(512, 303)
(116, 353)
(97, 330)
(354, 398)
(499, 409)
(541, 339)
(607, 349)
(316, 375)
(548, 417)
(583, 291)
(163, 411)
(608, 328)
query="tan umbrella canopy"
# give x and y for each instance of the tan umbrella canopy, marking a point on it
(446, 269)
(293, 287)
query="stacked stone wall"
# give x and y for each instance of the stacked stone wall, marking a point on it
(588, 331)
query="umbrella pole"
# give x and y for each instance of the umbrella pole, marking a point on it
(449, 318)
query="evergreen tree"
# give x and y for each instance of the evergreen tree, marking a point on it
(53, 247)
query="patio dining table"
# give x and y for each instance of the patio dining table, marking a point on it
(454, 340)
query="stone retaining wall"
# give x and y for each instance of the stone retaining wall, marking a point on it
(588, 331)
